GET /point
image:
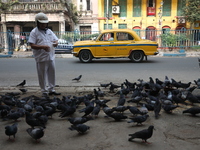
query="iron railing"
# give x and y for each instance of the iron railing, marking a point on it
(166, 39)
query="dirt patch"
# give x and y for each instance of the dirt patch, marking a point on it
(173, 131)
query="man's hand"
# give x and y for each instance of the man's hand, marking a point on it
(46, 48)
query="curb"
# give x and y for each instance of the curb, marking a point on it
(161, 54)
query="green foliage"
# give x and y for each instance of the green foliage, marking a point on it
(72, 10)
(192, 10)
(74, 36)
(5, 6)
(172, 40)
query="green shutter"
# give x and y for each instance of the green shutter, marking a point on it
(122, 26)
(123, 8)
(180, 5)
(109, 26)
(109, 8)
(167, 8)
(137, 31)
(137, 8)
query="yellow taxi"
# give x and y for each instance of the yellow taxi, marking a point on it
(115, 43)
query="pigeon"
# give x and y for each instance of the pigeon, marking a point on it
(96, 110)
(36, 133)
(81, 128)
(77, 78)
(120, 109)
(79, 120)
(117, 116)
(157, 108)
(143, 134)
(122, 99)
(88, 109)
(192, 110)
(14, 115)
(11, 130)
(23, 90)
(168, 108)
(197, 82)
(105, 85)
(107, 110)
(22, 83)
(32, 121)
(138, 119)
(134, 110)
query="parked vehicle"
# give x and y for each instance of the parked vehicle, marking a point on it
(115, 43)
(64, 47)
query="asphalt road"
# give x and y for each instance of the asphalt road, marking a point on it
(185, 69)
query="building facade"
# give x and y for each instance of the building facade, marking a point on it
(88, 13)
(141, 14)
(20, 17)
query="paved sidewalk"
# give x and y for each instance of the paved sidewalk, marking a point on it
(29, 54)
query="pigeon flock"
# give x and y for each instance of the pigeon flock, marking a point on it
(135, 101)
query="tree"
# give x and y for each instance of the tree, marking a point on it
(192, 11)
(72, 11)
(5, 6)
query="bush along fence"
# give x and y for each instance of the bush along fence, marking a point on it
(167, 39)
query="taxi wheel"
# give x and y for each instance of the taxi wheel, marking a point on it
(137, 56)
(85, 56)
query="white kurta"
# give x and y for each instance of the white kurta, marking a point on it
(45, 61)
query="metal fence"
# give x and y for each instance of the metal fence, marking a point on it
(167, 39)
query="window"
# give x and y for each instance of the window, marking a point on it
(122, 36)
(122, 26)
(167, 8)
(180, 5)
(88, 4)
(85, 29)
(109, 26)
(123, 8)
(109, 8)
(151, 10)
(137, 8)
(137, 29)
(107, 37)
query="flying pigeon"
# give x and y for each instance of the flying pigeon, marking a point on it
(22, 83)
(36, 133)
(11, 130)
(143, 134)
(77, 78)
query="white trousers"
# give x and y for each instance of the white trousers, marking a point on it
(46, 75)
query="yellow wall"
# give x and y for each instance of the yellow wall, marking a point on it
(144, 21)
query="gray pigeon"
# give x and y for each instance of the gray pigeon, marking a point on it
(11, 130)
(22, 83)
(138, 119)
(77, 78)
(143, 134)
(81, 128)
(193, 110)
(36, 133)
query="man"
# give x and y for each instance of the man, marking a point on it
(42, 41)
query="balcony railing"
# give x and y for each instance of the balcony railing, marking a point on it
(38, 6)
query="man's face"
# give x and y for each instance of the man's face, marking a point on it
(42, 25)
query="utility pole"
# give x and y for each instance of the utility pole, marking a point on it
(160, 15)
(107, 15)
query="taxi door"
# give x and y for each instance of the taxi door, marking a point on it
(124, 40)
(106, 45)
